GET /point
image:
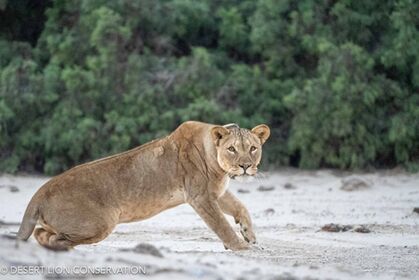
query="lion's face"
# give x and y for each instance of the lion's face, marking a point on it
(239, 150)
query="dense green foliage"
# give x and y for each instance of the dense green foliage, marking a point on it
(337, 80)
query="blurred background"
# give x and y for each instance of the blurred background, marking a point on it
(337, 80)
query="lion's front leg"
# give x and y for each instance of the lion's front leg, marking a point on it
(211, 213)
(234, 207)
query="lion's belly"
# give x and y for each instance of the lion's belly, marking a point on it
(141, 210)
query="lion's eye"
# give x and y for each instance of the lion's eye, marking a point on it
(253, 149)
(231, 149)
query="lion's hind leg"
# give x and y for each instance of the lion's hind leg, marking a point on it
(60, 241)
(53, 241)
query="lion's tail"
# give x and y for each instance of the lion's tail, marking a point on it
(30, 218)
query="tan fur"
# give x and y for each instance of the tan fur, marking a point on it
(192, 165)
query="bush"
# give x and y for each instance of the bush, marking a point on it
(337, 81)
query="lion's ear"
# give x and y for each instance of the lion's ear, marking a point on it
(262, 131)
(218, 133)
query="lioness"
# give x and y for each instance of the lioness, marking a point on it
(193, 164)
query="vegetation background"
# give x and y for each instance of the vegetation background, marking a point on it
(337, 80)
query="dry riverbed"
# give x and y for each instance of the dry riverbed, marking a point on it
(309, 225)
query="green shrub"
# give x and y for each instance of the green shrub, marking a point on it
(337, 81)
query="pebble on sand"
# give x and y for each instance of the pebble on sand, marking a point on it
(243, 191)
(342, 228)
(289, 186)
(354, 183)
(266, 188)
(145, 249)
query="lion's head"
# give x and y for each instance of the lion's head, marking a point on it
(239, 150)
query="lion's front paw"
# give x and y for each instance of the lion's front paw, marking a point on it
(237, 246)
(257, 247)
(248, 234)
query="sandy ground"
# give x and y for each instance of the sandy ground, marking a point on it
(287, 224)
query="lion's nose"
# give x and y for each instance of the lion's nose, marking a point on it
(244, 166)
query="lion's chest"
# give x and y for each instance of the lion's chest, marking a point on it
(223, 186)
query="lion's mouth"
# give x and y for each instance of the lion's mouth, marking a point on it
(244, 175)
(235, 173)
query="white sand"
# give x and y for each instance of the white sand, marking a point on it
(287, 223)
